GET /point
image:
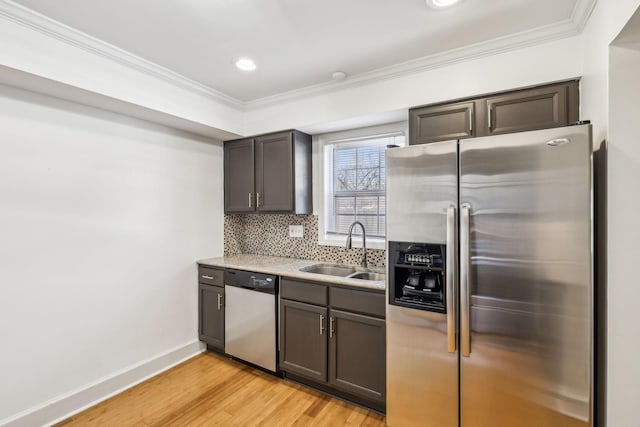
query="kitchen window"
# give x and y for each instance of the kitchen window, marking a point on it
(352, 165)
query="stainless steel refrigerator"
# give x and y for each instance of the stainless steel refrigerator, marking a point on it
(490, 281)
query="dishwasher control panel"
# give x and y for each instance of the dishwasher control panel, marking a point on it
(258, 282)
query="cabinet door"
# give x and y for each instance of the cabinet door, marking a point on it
(239, 176)
(531, 109)
(274, 173)
(357, 355)
(211, 315)
(303, 340)
(441, 123)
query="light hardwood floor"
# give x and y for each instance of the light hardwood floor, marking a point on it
(210, 390)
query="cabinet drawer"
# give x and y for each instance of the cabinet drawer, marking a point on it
(296, 290)
(211, 276)
(359, 301)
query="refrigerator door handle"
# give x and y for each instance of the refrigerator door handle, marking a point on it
(451, 277)
(465, 267)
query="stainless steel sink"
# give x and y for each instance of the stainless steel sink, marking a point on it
(367, 275)
(343, 271)
(330, 269)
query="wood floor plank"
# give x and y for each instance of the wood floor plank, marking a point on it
(317, 406)
(335, 413)
(210, 390)
(357, 417)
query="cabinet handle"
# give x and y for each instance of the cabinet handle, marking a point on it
(257, 200)
(219, 302)
(331, 320)
(470, 122)
(321, 324)
(489, 121)
(207, 277)
(250, 200)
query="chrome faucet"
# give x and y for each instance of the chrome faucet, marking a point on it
(363, 259)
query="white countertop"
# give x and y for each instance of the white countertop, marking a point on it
(288, 267)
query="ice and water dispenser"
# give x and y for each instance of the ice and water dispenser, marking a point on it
(417, 276)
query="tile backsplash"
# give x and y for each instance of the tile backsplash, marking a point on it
(269, 235)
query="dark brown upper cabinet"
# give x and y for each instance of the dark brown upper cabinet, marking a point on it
(269, 173)
(442, 122)
(531, 109)
(239, 177)
(541, 107)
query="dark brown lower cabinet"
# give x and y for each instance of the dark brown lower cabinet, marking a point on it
(303, 342)
(211, 315)
(357, 362)
(338, 343)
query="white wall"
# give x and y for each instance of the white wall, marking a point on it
(624, 237)
(608, 89)
(608, 18)
(593, 85)
(101, 220)
(623, 230)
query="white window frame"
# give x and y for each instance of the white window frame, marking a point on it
(323, 184)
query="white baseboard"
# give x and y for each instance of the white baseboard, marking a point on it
(66, 405)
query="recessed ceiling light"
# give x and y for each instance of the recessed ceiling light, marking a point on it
(339, 76)
(441, 4)
(245, 64)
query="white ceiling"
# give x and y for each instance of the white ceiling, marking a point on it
(298, 43)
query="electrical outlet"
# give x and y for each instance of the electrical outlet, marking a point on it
(296, 231)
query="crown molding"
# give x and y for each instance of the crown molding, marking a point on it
(559, 30)
(582, 12)
(572, 26)
(33, 20)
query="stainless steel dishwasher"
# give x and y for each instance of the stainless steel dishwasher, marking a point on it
(250, 317)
